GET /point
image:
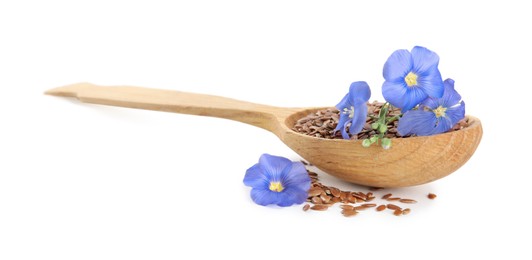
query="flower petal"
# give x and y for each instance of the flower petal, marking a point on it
(343, 131)
(443, 125)
(424, 60)
(297, 177)
(431, 103)
(456, 113)
(344, 103)
(394, 92)
(290, 196)
(416, 122)
(359, 92)
(265, 196)
(450, 96)
(273, 166)
(414, 96)
(255, 177)
(398, 65)
(432, 83)
(359, 119)
(341, 121)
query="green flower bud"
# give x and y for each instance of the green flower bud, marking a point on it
(366, 143)
(386, 143)
(383, 128)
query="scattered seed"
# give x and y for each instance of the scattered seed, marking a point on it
(314, 191)
(409, 201)
(316, 200)
(319, 207)
(393, 206)
(368, 205)
(406, 211)
(381, 207)
(349, 212)
(345, 206)
(431, 196)
(393, 199)
(360, 208)
(325, 198)
(306, 207)
(386, 196)
(335, 192)
(398, 212)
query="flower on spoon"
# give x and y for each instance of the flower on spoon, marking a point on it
(411, 77)
(353, 109)
(434, 115)
(277, 180)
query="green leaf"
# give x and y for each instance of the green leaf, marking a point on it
(375, 125)
(366, 143)
(386, 143)
(373, 139)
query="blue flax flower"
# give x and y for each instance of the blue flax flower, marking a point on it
(411, 77)
(277, 180)
(353, 109)
(435, 115)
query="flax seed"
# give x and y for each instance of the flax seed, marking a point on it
(306, 207)
(398, 212)
(409, 201)
(385, 197)
(393, 206)
(431, 196)
(319, 207)
(381, 207)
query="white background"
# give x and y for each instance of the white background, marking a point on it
(81, 181)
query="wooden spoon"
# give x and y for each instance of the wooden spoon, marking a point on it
(410, 161)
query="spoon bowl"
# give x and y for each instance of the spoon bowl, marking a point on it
(410, 161)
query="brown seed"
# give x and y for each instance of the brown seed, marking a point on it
(314, 191)
(351, 198)
(392, 199)
(319, 207)
(359, 197)
(306, 207)
(345, 206)
(375, 188)
(409, 201)
(393, 206)
(325, 198)
(386, 196)
(316, 200)
(381, 207)
(336, 199)
(369, 205)
(398, 212)
(335, 192)
(343, 195)
(406, 211)
(349, 212)
(360, 208)
(431, 196)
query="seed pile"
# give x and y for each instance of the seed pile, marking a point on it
(322, 197)
(323, 122)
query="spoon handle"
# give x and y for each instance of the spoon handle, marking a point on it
(174, 101)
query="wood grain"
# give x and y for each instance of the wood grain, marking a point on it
(410, 161)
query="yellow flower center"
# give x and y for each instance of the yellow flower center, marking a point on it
(440, 111)
(411, 79)
(276, 186)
